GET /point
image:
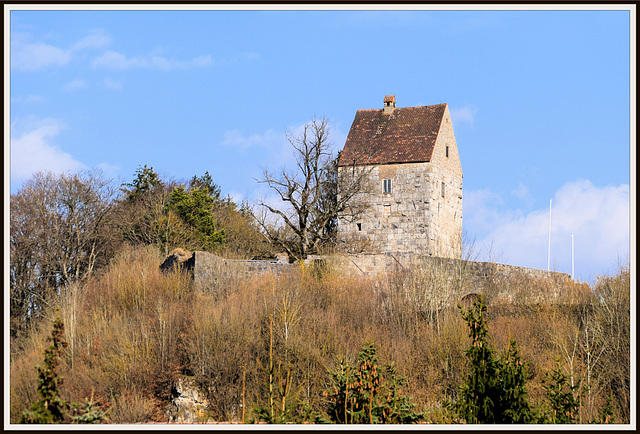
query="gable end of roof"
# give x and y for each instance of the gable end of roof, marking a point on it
(407, 135)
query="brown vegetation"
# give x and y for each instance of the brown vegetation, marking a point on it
(133, 331)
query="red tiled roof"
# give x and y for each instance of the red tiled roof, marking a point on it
(408, 135)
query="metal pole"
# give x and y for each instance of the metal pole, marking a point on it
(573, 274)
(549, 253)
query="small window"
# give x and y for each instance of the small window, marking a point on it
(442, 189)
(447, 151)
(387, 185)
(359, 226)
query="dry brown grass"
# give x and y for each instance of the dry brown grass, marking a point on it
(133, 331)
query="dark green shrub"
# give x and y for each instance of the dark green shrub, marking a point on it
(50, 408)
(368, 393)
(561, 397)
(495, 390)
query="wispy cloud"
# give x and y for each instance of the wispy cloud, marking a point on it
(112, 84)
(597, 216)
(522, 192)
(29, 99)
(236, 139)
(34, 150)
(464, 115)
(75, 85)
(109, 170)
(118, 61)
(32, 56)
(274, 147)
(95, 39)
(27, 55)
(270, 148)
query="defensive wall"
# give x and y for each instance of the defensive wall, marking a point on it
(212, 273)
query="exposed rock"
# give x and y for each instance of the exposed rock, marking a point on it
(188, 404)
(178, 260)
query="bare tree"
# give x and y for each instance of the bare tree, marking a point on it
(314, 195)
(57, 236)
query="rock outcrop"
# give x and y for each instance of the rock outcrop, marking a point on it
(188, 404)
(179, 260)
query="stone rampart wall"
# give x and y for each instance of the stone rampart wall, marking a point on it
(213, 274)
(505, 282)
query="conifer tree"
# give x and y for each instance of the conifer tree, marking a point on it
(480, 395)
(495, 390)
(195, 207)
(369, 393)
(50, 408)
(515, 400)
(146, 180)
(561, 396)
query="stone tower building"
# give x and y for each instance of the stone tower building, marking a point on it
(416, 178)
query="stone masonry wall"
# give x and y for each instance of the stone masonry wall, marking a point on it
(214, 275)
(211, 273)
(504, 281)
(414, 217)
(447, 208)
(423, 212)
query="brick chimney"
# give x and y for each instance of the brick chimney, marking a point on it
(389, 104)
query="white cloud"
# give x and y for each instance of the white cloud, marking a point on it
(114, 60)
(464, 115)
(29, 99)
(249, 56)
(32, 56)
(75, 85)
(598, 217)
(237, 140)
(273, 148)
(27, 56)
(111, 84)
(522, 192)
(109, 170)
(96, 39)
(33, 151)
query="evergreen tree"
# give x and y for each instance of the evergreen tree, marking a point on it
(514, 402)
(369, 393)
(561, 396)
(480, 395)
(205, 183)
(495, 390)
(146, 180)
(50, 408)
(195, 207)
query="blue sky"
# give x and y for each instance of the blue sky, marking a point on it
(540, 102)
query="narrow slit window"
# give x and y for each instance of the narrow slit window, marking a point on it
(447, 151)
(359, 226)
(387, 185)
(442, 192)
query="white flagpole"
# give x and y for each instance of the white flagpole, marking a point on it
(549, 254)
(573, 274)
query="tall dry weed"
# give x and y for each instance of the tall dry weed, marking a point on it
(134, 331)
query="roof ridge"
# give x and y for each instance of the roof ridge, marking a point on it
(402, 108)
